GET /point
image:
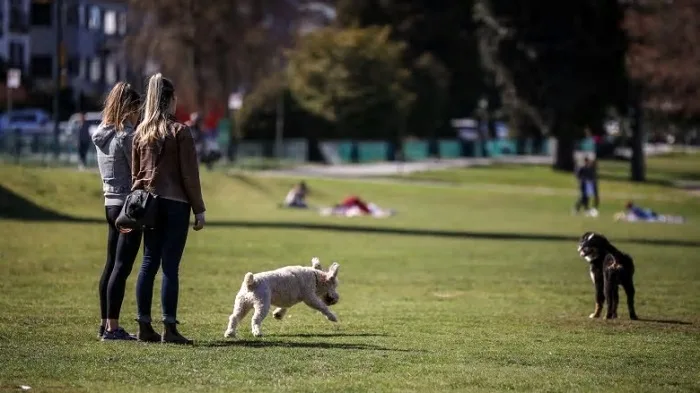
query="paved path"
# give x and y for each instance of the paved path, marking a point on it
(391, 168)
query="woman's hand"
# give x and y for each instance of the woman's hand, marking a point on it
(199, 221)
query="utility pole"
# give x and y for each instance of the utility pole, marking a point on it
(58, 23)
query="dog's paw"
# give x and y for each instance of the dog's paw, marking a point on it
(634, 317)
(594, 315)
(279, 313)
(611, 316)
(230, 333)
(332, 318)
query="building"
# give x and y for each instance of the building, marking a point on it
(90, 55)
(14, 33)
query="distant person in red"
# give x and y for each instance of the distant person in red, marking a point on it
(354, 201)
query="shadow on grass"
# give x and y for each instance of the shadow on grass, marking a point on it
(16, 207)
(666, 321)
(437, 232)
(264, 343)
(248, 181)
(311, 335)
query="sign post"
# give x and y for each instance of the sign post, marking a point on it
(14, 81)
(235, 102)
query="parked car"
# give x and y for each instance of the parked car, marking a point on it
(70, 130)
(27, 121)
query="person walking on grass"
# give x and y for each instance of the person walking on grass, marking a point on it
(113, 140)
(83, 141)
(587, 179)
(165, 164)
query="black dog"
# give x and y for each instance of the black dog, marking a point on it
(609, 267)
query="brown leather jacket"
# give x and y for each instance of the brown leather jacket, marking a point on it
(176, 175)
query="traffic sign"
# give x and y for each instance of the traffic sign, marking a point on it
(14, 78)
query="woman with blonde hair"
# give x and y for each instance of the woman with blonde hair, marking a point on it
(165, 164)
(113, 140)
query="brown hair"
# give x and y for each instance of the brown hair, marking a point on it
(122, 102)
(159, 95)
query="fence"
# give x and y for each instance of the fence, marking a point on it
(40, 148)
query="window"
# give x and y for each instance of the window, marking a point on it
(122, 23)
(95, 69)
(74, 66)
(111, 71)
(42, 14)
(110, 23)
(82, 72)
(72, 15)
(16, 55)
(94, 18)
(42, 66)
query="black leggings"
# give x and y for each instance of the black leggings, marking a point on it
(121, 253)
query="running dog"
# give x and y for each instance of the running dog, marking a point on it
(284, 288)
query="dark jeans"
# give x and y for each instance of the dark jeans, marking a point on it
(121, 253)
(83, 148)
(163, 245)
(583, 200)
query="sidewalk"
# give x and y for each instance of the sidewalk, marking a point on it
(393, 168)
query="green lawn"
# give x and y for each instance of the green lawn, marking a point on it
(475, 286)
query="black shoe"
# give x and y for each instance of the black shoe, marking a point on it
(172, 336)
(100, 332)
(119, 334)
(147, 334)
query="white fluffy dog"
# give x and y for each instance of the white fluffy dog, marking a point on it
(284, 288)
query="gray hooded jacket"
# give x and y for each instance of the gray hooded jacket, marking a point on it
(114, 161)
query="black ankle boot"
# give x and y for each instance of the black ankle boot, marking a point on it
(171, 335)
(147, 334)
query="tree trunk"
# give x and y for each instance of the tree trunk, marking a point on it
(637, 164)
(566, 144)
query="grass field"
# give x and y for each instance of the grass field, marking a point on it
(475, 286)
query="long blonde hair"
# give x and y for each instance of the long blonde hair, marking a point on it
(121, 103)
(154, 127)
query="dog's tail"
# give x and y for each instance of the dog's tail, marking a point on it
(249, 281)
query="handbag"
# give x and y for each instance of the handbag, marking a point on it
(140, 208)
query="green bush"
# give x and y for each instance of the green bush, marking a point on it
(353, 78)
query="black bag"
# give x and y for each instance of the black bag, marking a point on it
(140, 209)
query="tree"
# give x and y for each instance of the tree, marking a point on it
(663, 54)
(662, 63)
(353, 78)
(444, 30)
(257, 116)
(561, 64)
(430, 84)
(210, 47)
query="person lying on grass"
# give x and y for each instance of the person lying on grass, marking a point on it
(634, 213)
(353, 206)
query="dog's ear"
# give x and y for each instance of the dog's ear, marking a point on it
(316, 263)
(333, 270)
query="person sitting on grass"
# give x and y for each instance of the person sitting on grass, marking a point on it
(296, 197)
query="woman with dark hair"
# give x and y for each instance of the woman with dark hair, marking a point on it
(113, 139)
(165, 164)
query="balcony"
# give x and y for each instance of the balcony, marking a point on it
(19, 21)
